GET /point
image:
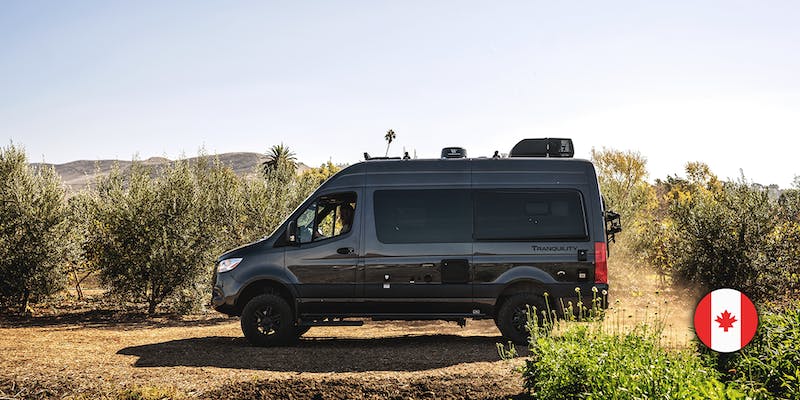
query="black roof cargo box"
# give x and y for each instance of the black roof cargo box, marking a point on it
(546, 147)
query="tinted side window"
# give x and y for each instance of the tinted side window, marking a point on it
(423, 216)
(532, 215)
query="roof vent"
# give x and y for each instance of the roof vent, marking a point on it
(547, 147)
(454, 152)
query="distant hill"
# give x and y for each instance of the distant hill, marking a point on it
(81, 174)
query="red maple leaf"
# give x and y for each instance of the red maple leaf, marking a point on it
(725, 320)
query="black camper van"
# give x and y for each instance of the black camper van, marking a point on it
(449, 239)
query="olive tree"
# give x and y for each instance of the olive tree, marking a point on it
(722, 237)
(32, 229)
(79, 218)
(149, 238)
(153, 234)
(623, 182)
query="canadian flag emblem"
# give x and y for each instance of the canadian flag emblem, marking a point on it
(725, 320)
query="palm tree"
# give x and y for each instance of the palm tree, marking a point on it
(390, 136)
(280, 158)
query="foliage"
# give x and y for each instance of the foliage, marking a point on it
(319, 175)
(390, 136)
(150, 232)
(218, 198)
(152, 236)
(789, 205)
(658, 241)
(586, 362)
(79, 268)
(622, 176)
(265, 203)
(33, 232)
(721, 236)
(779, 263)
(281, 162)
(770, 365)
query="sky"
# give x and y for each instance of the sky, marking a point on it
(678, 81)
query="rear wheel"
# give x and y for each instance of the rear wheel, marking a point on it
(267, 321)
(512, 317)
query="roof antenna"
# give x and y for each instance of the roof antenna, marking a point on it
(496, 154)
(405, 156)
(366, 156)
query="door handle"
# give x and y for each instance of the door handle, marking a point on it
(345, 250)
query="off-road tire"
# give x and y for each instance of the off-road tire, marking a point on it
(267, 321)
(511, 318)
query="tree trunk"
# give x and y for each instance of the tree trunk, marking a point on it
(77, 283)
(26, 295)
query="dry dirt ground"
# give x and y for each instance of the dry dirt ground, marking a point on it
(105, 354)
(93, 354)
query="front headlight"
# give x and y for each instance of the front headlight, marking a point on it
(228, 264)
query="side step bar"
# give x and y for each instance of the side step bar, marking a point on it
(327, 322)
(423, 317)
(338, 320)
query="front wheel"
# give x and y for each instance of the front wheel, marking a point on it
(512, 317)
(267, 321)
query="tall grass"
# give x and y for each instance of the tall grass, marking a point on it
(602, 354)
(770, 365)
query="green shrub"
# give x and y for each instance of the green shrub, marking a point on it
(585, 362)
(150, 239)
(153, 235)
(33, 231)
(770, 364)
(722, 237)
(622, 176)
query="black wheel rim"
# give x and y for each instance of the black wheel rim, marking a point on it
(268, 321)
(519, 319)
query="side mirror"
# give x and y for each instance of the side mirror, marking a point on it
(291, 232)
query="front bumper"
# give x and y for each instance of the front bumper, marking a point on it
(222, 302)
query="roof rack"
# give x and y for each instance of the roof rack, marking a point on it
(368, 158)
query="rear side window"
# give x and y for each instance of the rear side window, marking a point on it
(529, 215)
(423, 216)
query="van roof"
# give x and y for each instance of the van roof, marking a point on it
(483, 162)
(525, 171)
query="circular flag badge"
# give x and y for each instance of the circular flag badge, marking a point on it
(725, 320)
